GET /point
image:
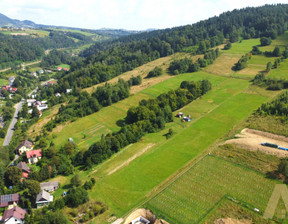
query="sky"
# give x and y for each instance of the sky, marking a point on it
(121, 14)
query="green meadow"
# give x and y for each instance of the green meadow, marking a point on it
(135, 174)
(221, 109)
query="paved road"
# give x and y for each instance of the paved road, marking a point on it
(18, 107)
(10, 130)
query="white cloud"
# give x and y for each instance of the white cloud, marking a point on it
(128, 14)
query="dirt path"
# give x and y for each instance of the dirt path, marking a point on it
(232, 221)
(251, 139)
(131, 158)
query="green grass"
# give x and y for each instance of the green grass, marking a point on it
(281, 72)
(190, 198)
(243, 47)
(40, 33)
(106, 119)
(221, 109)
(3, 82)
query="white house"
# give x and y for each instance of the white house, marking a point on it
(140, 220)
(24, 147)
(43, 198)
(30, 102)
(13, 216)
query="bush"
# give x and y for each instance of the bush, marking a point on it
(157, 71)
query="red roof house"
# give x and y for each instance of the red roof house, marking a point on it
(16, 214)
(33, 156)
(25, 170)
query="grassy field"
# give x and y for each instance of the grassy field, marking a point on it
(139, 171)
(32, 32)
(217, 112)
(189, 199)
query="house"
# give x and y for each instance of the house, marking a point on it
(10, 89)
(58, 95)
(42, 107)
(41, 71)
(66, 69)
(13, 216)
(24, 146)
(9, 199)
(30, 102)
(11, 80)
(51, 83)
(33, 156)
(59, 69)
(34, 74)
(140, 220)
(43, 198)
(25, 170)
(68, 90)
(49, 186)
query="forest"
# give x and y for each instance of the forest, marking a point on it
(108, 59)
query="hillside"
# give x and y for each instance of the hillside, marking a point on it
(115, 138)
(6, 21)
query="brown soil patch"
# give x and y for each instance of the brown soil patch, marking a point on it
(232, 221)
(251, 139)
(36, 128)
(19, 34)
(223, 65)
(131, 158)
(145, 213)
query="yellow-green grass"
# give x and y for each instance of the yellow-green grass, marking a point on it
(107, 117)
(228, 209)
(3, 82)
(63, 66)
(280, 41)
(189, 199)
(281, 72)
(224, 107)
(32, 32)
(243, 47)
(75, 31)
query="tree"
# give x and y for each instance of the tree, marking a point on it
(268, 66)
(33, 188)
(265, 41)
(13, 175)
(276, 52)
(76, 180)
(76, 197)
(69, 148)
(35, 112)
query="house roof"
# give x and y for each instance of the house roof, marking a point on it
(33, 153)
(25, 143)
(49, 186)
(8, 198)
(44, 196)
(15, 212)
(23, 166)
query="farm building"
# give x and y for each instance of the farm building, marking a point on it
(49, 186)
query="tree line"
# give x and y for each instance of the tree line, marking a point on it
(150, 116)
(187, 65)
(86, 104)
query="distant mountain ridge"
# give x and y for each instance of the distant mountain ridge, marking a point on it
(6, 21)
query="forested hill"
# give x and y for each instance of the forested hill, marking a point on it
(106, 60)
(268, 20)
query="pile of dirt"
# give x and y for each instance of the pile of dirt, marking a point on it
(251, 139)
(232, 221)
(145, 213)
